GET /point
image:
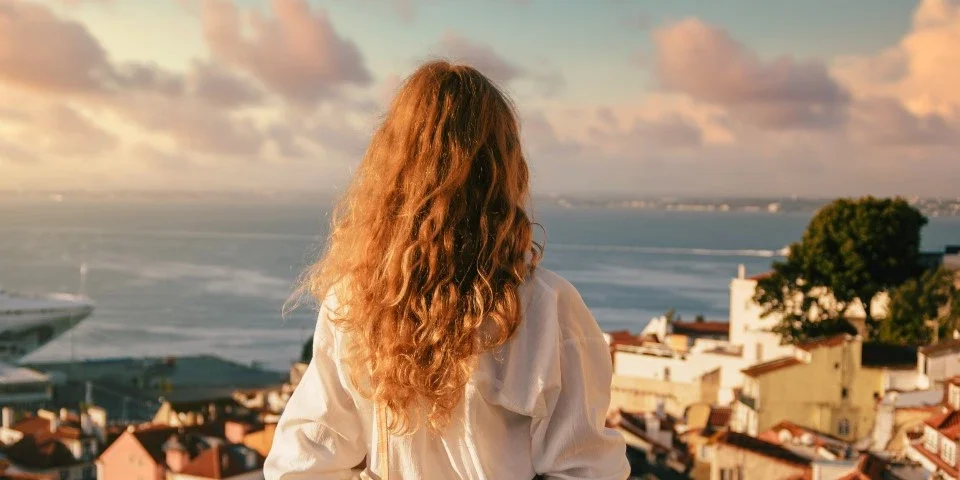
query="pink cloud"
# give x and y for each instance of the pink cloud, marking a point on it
(886, 122)
(295, 52)
(457, 48)
(64, 131)
(709, 65)
(42, 51)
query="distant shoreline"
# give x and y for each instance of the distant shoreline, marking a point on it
(932, 207)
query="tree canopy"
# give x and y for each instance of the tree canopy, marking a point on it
(852, 250)
(922, 310)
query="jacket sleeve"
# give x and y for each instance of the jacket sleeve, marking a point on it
(572, 441)
(320, 433)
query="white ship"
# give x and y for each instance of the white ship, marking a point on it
(30, 321)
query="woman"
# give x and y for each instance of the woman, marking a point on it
(442, 351)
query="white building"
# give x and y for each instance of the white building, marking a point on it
(749, 341)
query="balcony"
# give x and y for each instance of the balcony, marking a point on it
(747, 400)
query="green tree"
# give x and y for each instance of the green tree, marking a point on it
(922, 310)
(700, 318)
(852, 250)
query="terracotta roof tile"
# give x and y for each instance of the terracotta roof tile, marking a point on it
(946, 467)
(220, 461)
(761, 276)
(701, 328)
(40, 454)
(944, 420)
(719, 416)
(771, 366)
(39, 426)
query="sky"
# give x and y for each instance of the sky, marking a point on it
(732, 97)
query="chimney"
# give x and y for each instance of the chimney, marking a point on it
(741, 272)
(86, 426)
(64, 414)
(51, 417)
(7, 417)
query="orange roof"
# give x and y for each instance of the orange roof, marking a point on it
(39, 426)
(771, 366)
(831, 341)
(261, 440)
(219, 462)
(944, 420)
(761, 276)
(701, 328)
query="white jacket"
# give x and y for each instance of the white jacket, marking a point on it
(534, 406)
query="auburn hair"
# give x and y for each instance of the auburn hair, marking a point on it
(430, 244)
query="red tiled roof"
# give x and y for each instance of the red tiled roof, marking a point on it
(831, 341)
(771, 366)
(951, 432)
(701, 328)
(624, 337)
(941, 348)
(218, 462)
(763, 448)
(944, 466)
(761, 276)
(40, 454)
(39, 426)
(719, 416)
(944, 420)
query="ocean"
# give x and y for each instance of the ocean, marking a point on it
(181, 278)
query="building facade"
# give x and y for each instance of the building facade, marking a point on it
(822, 387)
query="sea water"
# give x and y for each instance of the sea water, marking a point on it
(205, 277)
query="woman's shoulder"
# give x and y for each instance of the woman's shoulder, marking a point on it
(549, 298)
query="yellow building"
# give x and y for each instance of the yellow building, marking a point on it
(824, 386)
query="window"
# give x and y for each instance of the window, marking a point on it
(949, 453)
(759, 352)
(843, 427)
(666, 373)
(844, 392)
(930, 439)
(954, 396)
(731, 473)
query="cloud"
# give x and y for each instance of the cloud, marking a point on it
(922, 71)
(480, 56)
(195, 126)
(44, 52)
(212, 83)
(13, 153)
(547, 80)
(296, 52)
(64, 131)
(886, 122)
(709, 65)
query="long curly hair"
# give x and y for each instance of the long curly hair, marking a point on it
(429, 245)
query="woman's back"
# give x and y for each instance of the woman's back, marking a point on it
(536, 405)
(439, 340)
